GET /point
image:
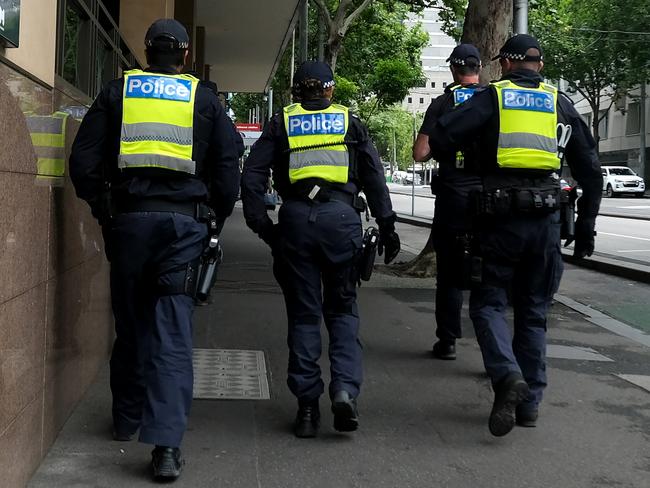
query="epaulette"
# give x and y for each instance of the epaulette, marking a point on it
(567, 97)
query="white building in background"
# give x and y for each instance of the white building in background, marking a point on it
(619, 129)
(433, 57)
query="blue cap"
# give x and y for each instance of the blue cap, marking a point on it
(464, 54)
(315, 70)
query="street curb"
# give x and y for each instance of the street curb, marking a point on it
(596, 263)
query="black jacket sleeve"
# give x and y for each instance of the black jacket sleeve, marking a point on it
(436, 108)
(89, 151)
(255, 178)
(224, 161)
(582, 157)
(371, 175)
(462, 126)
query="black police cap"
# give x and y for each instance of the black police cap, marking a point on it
(464, 54)
(315, 70)
(517, 46)
(167, 34)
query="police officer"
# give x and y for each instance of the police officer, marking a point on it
(452, 186)
(515, 123)
(321, 158)
(156, 140)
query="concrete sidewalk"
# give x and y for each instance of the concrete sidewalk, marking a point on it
(423, 421)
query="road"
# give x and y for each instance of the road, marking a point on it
(622, 238)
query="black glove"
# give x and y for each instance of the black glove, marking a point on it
(269, 233)
(584, 238)
(390, 240)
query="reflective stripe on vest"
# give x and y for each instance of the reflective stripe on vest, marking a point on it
(316, 143)
(48, 137)
(157, 121)
(527, 126)
(461, 95)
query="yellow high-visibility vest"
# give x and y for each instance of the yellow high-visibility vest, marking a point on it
(157, 121)
(316, 143)
(527, 126)
(461, 95)
(48, 137)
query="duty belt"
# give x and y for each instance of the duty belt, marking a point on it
(319, 194)
(196, 210)
(517, 201)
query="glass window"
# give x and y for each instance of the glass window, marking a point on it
(621, 172)
(444, 84)
(76, 39)
(90, 49)
(632, 119)
(410, 100)
(603, 124)
(421, 100)
(433, 84)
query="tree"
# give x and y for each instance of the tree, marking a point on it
(486, 25)
(588, 44)
(339, 16)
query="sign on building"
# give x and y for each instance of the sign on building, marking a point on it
(9, 22)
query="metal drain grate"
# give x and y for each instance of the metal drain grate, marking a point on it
(230, 374)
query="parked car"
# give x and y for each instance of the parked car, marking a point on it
(621, 179)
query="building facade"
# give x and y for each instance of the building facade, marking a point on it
(620, 129)
(56, 325)
(433, 59)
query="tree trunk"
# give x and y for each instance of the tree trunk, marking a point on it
(422, 266)
(487, 25)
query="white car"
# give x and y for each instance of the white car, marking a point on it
(621, 179)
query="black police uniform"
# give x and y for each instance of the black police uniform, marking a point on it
(519, 250)
(150, 242)
(451, 222)
(317, 241)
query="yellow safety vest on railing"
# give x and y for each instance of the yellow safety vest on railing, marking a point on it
(157, 121)
(461, 95)
(527, 126)
(48, 137)
(317, 143)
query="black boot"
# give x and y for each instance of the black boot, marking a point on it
(444, 350)
(508, 393)
(307, 420)
(166, 463)
(344, 408)
(526, 416)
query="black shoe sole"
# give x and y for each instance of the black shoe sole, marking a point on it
(166, 475)
(345, 418)
(502, 419)
(445, 357)
(526, 423)
(306, 432)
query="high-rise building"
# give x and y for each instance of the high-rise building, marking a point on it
(436, 69)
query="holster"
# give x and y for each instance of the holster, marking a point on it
(568, 213)
(366, 261)
(470, 263)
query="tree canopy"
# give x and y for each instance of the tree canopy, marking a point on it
(600, 47)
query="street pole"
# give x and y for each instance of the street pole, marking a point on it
(270, 103)
(520, 17)
(321, 41)
(304, 30)
(642, 130)
(392, 169)
(413, 179)
(293, 57)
